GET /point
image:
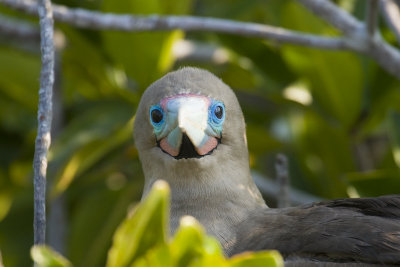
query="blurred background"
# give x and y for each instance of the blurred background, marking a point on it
(336, 115)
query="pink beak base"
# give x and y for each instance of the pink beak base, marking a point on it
(211, 144)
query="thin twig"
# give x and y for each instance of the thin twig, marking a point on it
(356, 37)
(19, 34)
(386, 56)
(108, 21)
(335, 16)
(282, 175)
(372, 16)
(10, 27)
(270, 188)
(43, 138)
(391, 13)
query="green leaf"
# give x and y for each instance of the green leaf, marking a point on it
(159, 256)
(92, 226)
(44, 256)
(394, 134)
(192, 247)
(5, 202)
(257, 259)
(145, 229)
(336, 77)
(86, 140)
(323, 151)
(144, 56)
(375, 183)
(86, 72)
(19, 78)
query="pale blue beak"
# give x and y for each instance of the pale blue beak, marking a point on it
(189, 115)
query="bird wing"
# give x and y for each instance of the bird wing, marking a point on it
(365, 230)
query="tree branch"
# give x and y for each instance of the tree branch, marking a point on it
(357, 38)
(43, 137)
(374, 46)
(10, 27)
(97, 20)
(335, 16)
(282, 175)
(391, 13)
(270, 188)
(387, 56)
(19, 34)
(372, 16)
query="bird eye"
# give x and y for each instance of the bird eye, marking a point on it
(217, 112)
(156, 115)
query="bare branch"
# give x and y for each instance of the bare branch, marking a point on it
(336, 16)
(270, 188)
(356, 38)
(372, 16)
(391, 13)
(282, 175)
(386, 56)
(43, 137)
(16, 29)
(97, 20)
(194, 51)
(19, 34)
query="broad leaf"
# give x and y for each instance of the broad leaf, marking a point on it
(145, 229)
(44, 256)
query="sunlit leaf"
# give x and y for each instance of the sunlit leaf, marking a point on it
(143, 230)
(144, 56)
(375, 183)
(394, 133)
(159, 256)
(96, 216)
(336, 77)
(324, 152)
(5, 204)
(87, 140)
(257, 259)
(44, 256)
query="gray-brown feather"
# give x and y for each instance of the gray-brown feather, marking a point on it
(218, 191)
(366, 230)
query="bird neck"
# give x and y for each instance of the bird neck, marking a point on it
(206, 191)
(203, 180)
(217, 190)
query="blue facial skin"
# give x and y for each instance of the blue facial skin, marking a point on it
(158, 126)
(216, 118)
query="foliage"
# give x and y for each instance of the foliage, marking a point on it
(334, 113)
(141, 240)
(44, 256)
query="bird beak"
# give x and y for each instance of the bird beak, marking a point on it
(187, 118)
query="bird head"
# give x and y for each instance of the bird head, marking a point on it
(189, 124)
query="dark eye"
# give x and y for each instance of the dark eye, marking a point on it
(156, 115)
(218, 111)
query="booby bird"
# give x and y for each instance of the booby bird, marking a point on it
(190, 131)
